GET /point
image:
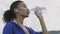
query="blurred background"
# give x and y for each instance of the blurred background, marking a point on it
(51, 16)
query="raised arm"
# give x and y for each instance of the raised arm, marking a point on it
(40, 17)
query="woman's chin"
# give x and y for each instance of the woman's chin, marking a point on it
(27, 16)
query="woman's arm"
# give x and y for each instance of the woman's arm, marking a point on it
(40, 17)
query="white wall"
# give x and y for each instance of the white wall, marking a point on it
(51, 17)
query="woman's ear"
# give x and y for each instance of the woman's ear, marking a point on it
(16, 10)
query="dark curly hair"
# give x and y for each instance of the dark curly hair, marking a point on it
(9, 15)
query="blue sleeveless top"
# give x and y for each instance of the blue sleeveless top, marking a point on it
(13, 28)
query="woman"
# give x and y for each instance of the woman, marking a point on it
(14, 20)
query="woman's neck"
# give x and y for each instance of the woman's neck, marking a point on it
(20, 19)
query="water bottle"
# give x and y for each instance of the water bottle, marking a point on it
(39, 9)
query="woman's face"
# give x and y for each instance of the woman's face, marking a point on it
(22, 10)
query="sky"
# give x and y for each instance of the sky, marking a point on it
(51, 16)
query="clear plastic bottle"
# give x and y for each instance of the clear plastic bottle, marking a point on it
(39, 9)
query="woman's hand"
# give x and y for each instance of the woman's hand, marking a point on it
(38, 13)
